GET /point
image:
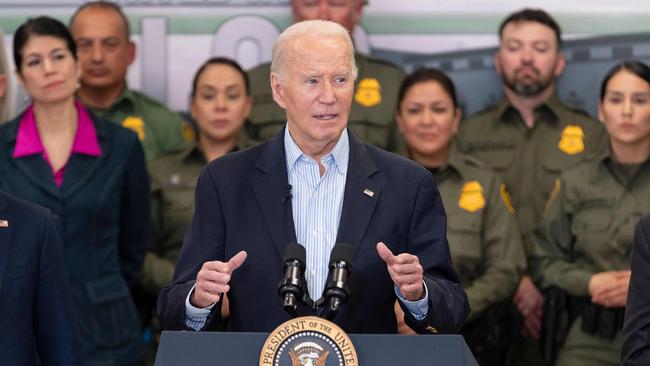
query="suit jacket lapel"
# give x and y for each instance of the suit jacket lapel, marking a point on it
(36, 169)
(271, 186)
(360, 197)
(78, 171)
(33, 167)
(5, 239)
(80, 168)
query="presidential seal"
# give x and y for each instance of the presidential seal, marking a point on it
(308, 341)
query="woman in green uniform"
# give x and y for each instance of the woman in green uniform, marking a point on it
(584, 244)
(220, 103)
(485, 243)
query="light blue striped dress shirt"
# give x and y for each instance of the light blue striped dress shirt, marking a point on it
(317, 203)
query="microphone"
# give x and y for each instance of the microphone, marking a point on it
(336, 291)
(291, 287)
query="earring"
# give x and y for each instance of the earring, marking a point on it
(77, 86)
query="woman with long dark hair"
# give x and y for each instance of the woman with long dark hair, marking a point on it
(584, 243)
(91, 174)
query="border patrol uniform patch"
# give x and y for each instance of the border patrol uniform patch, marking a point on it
(135, 124)
(471, 196)
(505, 197)
(368, 92)
(572, 140)
(189, 134)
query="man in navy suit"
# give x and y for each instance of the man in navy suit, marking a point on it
(35, 305)
(636, 330)
(316, 184)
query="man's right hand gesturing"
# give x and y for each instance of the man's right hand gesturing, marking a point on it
(212, 280)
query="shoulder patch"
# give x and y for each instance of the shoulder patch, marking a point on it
(552, 197)
(368, 92)
(505, 197)
(188, 131)
(572, 140)
(471, 196)
(135, 124)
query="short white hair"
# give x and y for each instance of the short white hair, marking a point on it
(313, 28)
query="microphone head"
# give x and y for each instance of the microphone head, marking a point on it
(342, 252)
(294, 251)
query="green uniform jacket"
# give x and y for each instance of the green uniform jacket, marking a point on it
(589, 227)
(159, 130)
(173, 181)
(484, 239)
(372, 117)
(529, 160)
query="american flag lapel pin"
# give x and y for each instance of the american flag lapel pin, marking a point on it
(368, 192)
(4, 223)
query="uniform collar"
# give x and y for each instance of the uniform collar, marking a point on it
(606, 159)
(552, 107)
(194, 154)
(454, 162)
(127, 98)
(606, 156)
(453, 165)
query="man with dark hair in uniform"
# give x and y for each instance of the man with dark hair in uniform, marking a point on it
(105, 51)
(373, 106)
(530, 136)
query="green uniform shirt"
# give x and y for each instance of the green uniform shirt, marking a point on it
(529, 159)
(160, 130)
(589, 226)
(372, 117)
(484, 239)
(173, 181)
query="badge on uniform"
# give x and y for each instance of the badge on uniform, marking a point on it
(4, 223)
(368, 92)
(135, 124)
(471, 196)
(572, 140)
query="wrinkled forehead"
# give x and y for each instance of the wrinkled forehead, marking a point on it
(313, 50)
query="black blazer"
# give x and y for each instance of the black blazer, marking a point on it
(35, 304)
(102, 214)
(636, 330)
(241, 205)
